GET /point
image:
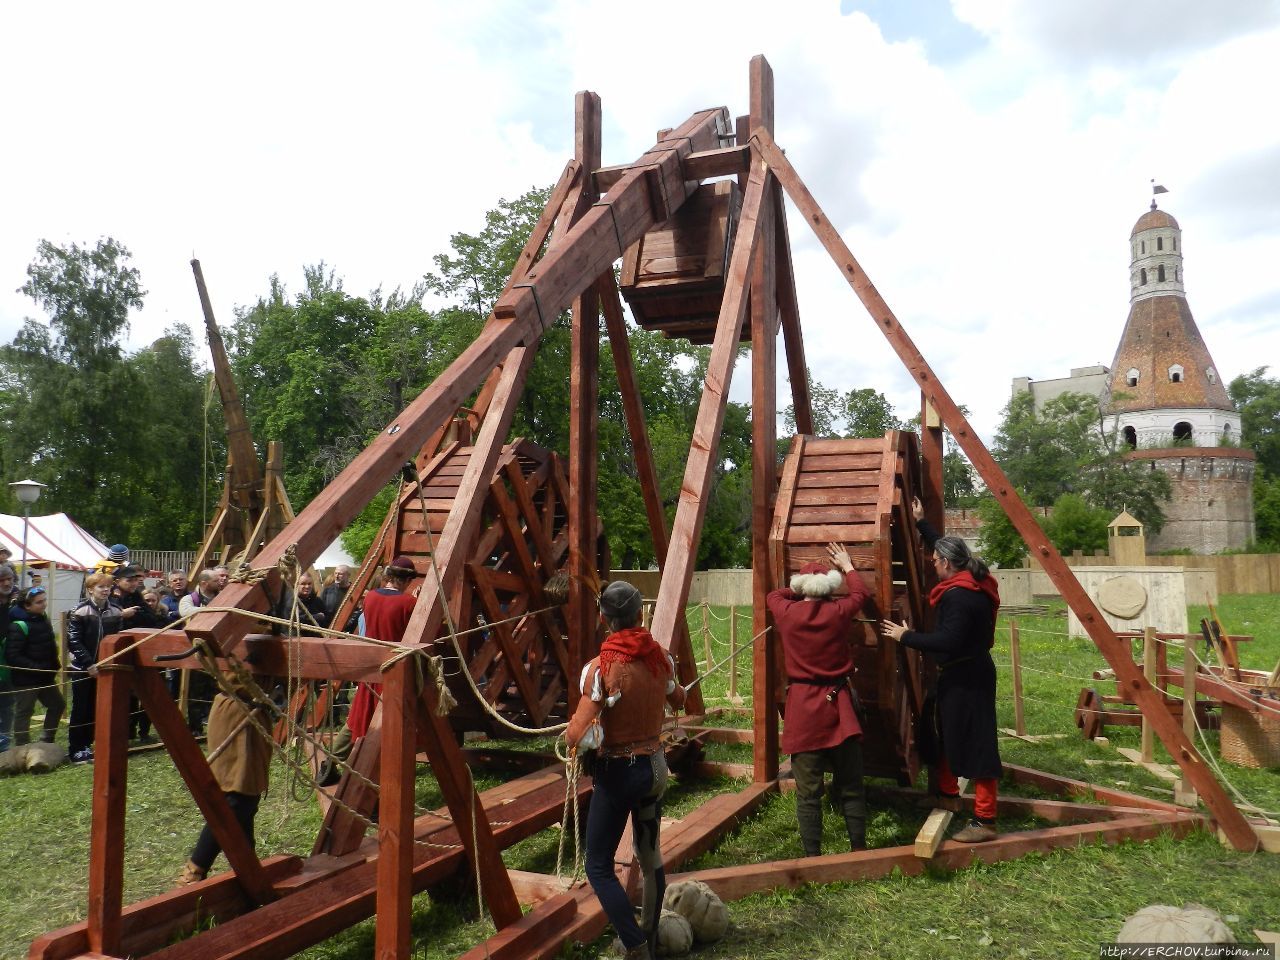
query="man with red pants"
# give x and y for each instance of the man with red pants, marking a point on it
(821, 729)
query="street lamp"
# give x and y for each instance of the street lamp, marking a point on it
(28, 491)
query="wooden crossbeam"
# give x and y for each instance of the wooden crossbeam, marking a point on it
(1148, 698)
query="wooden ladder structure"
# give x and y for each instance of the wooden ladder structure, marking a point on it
(858, 493)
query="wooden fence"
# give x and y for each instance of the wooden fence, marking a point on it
(1237, 572)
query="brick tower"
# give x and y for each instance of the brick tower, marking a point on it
(1170, 406)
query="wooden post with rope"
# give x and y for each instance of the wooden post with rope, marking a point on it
(1149, 672)
(1184, 794)
(1015, 663)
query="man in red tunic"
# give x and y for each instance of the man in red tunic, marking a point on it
(821, 729)
(386, 613)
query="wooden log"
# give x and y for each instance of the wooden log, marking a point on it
(1149, 672)
(935, 826)
(789, 317)
(734, 883)
(1116, 652)
(396, 813)
(582, 614)
(110, 773)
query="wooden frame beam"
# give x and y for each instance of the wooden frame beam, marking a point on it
(642, 197)
(673, 591)
(1149, 699)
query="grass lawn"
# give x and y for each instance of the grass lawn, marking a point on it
(1060, 905)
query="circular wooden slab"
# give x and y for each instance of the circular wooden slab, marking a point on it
(1122, 597)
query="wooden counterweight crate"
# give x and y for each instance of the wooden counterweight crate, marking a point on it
(673, 277)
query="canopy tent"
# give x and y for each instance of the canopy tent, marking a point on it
(54, 539)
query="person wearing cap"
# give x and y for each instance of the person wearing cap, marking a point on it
(386, 614)
(959, 735)
(821, 729)
(624, 688)
(126, 593)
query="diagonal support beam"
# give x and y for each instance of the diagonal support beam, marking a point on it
(654, 188)
(1149, 700)
(673, 592)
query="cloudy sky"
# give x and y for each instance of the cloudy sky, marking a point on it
(985, 159)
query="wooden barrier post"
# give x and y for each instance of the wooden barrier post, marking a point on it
(1184, 794)
(1015, 659)
(734, 697)
(707, 653)
(1148, 671)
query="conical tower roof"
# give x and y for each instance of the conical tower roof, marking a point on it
(1162, 361)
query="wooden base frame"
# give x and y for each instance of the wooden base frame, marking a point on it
(274, 908)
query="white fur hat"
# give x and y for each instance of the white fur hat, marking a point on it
(816, 584)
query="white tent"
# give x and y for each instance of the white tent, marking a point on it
(54, 538)
(67, 548)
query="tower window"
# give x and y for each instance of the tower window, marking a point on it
(1182, 432)
(1144, 276)
(1175, 373)
(1212, 376)
(1131, 438)
(1175, 243)
(1226, 434)
(1160, 273)
(1144, 246)
(1159, 243)
(1132, 377)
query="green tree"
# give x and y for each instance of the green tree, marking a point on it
(1000, 544)
(868, 413)
(1257, 397)
(70, 400)
(1066, 448)
(168, 485)
(1075, 525)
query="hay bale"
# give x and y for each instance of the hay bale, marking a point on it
(43, 757)
(695, 901)
(675, 936)
(9, 760)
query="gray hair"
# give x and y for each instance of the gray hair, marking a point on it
(956, 552)
(7, 571)
(207, 574)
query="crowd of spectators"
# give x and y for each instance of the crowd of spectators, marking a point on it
(115, 597)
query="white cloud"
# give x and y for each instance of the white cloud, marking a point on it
(990, 198)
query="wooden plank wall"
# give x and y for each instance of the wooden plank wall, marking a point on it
(1237, 572)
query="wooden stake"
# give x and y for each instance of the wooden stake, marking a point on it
(1149, 672)
(734, 698)
(935, 828)
(1015, 659)
(707, 656)
(1184, 794)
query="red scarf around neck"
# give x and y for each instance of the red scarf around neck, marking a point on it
(965, 581)
(634, 643)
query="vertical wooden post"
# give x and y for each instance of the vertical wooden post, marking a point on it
(1015, 659)
(764, 440)
(734, 698)
(584, 389)
(395, 813)
(932, 457)
(707, 653)
(1148, 671)
(1184, 793)
(110, 770)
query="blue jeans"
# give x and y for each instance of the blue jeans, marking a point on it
(627, 788)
